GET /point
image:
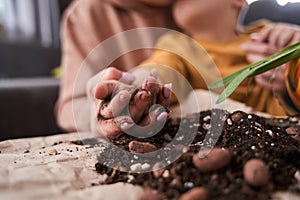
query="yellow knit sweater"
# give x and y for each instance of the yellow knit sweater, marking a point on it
(178, 55)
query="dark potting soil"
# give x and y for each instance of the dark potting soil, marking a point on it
(274, 141)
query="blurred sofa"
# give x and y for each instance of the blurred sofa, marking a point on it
(271, 10)
(27, 91)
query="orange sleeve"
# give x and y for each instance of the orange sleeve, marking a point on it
(293, 83)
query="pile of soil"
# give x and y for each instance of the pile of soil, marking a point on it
(253, 158)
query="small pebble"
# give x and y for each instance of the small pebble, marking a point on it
(189, 185)
(206, 126)
(94, 184)
(146, 166)
(293, 119)
(270, 132)
(166, 174)
(52, 152)
(206, 118)
(297, 176)
(256, 172)
(197, 193)
(294, 132)
(214, 177)
(167, 138)
(130, 178)
(141, 147)
(236, 116)
(158, 169)
(136, 167)
(229, 122)
(206, 160)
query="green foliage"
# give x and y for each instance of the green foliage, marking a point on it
(232, 81)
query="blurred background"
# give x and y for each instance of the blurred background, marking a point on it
(30, 53)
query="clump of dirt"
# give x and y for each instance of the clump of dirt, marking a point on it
(252, 157)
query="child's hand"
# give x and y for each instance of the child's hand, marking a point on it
(149, 107)
(121, 107)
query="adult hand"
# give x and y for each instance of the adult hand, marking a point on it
(268, 41)
(279, 35)
(273, 79)
(256, 51)
(106, 80)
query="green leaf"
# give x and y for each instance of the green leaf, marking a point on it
(233, 85)
(233, 80)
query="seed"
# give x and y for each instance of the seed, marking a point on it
(167, 137)
(294, 132)
(141, 147)
(236, 116)
(256, 172)
(206, 160)
(197, 193)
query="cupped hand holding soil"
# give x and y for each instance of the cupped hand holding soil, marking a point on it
(128, 108)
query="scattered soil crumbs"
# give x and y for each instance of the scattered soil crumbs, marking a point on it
(77, 142)
(253, 157)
